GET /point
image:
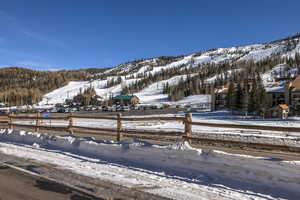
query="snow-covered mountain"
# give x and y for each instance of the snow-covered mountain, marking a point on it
(131, 72)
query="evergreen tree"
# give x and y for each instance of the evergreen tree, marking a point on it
(245, 100)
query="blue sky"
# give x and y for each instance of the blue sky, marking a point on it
(72, 34)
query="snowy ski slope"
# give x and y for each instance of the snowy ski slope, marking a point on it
(153, 93)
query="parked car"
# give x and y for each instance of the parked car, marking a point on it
(23, 111)
(161, 107)
(4, 111)
(119, 108)
(61, 110)
(99, 108)
(145, 107)
(73, 109)
(153, 107)
(94, 108)
(105, 108)
(187, 106)
(113, 109)
(53, 110)
(40, 110)
(126, 108)
(178, 106)
(134, 107)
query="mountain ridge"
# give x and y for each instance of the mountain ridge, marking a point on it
(289, 37)
(141, 77)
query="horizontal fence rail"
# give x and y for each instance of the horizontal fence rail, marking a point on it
(261, 146)
(120, 131)
(153, 119)
(145, 132)
(34, 117)
(253, 127)
(61, 128)
(95, 128)
(92, 117)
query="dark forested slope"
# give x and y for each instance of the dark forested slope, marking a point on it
(20, 86)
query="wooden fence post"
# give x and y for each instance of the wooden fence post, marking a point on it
(10, 121)
(70, 129)
(119, 127)
(187, 125)
(37, 122)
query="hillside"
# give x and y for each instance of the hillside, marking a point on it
(20, 86)
(165, 79)
(161, 79)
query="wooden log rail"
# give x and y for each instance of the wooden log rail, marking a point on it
(119, 131)
(253, 127)
(145, 132)
(91, 117)
(39, 117)
(154, 119)
(57, 128)
(95, 129)
(240, 144)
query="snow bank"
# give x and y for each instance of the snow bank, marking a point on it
(179, 157)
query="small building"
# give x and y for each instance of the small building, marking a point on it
(279, 111)
(126, 100)
(288, 93)
(86, 100)
(295, 93)
(277, 95)
(220, 96)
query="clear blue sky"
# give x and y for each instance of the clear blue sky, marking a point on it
(71, 34)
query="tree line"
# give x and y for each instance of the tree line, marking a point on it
(20, 86)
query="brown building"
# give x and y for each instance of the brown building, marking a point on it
(87, 99)
(288, 94)
(294, 97)
(220, 97)
(278, 111)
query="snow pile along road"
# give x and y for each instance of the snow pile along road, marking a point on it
(180, 158)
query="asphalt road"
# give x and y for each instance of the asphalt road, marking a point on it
(17, 185)
(25, 179)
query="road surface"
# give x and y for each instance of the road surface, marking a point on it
(17, 185)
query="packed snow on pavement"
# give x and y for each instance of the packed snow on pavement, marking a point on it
(176, 171)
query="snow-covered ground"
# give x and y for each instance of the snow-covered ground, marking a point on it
(176, 171)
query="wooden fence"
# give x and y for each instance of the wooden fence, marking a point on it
(119, 130)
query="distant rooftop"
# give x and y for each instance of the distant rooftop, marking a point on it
(124, 97)
(275, 89)
(296, 83)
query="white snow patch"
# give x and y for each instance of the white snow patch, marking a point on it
(179, 158)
